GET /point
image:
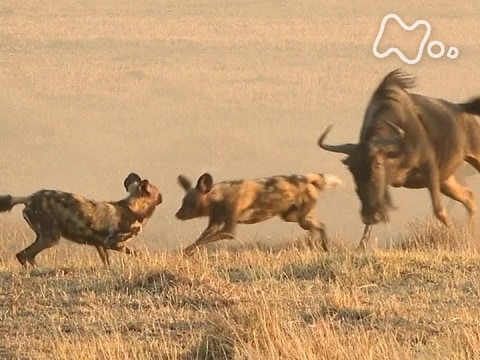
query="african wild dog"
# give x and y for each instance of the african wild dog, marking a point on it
(54, 214)
(292, 198)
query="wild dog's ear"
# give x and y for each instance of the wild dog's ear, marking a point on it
(130, 179)
(184, 182)
(144, 186)
(204, 183)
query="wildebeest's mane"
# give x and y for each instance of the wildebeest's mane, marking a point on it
(398, 78)
(391, 92)
(393, 83)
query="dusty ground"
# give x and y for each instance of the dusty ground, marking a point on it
(241, 89)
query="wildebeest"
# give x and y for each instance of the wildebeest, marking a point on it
(292, 198)
(412, 141)
(53, 214)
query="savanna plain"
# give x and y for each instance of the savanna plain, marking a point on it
(241, 89)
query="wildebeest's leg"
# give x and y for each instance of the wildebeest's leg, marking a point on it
(365, 237)
(455, 191)
(461, 174)
(433, 184)
(212, 234)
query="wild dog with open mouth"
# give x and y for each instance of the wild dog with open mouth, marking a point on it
(292, 198)
(53, 214)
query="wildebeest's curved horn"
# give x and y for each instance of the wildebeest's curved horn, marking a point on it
(399, 135)
(398, 130)
(344, 148)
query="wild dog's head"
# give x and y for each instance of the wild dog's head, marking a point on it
(195, 202)
(143, 195)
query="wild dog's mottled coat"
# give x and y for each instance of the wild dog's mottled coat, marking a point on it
(54, 214)
(292, 198)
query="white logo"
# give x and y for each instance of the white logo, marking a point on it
(452, 52)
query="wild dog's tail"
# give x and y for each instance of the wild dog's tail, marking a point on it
(7, 202)
(324, 181)
(471, 107)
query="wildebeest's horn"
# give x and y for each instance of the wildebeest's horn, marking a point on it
(398, 130)
(344, 148)
(399, 135)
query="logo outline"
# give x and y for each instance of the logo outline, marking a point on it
(396, 50)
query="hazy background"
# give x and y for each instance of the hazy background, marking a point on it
(92, 91)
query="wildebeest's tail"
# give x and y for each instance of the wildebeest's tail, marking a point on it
(324, 181)
(471, 107)
(7, 202)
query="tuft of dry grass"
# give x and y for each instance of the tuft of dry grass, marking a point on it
(427, 235)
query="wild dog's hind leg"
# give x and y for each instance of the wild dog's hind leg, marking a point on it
(308, 221)
(455, 191)
(312, 224)
(48, 235)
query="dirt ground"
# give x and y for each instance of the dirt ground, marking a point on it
(91, 91)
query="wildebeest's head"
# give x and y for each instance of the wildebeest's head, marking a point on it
(195, 202)
(369, 163)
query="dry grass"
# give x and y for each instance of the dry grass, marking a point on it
(283, 303)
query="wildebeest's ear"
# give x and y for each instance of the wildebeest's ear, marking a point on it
(130, 179)
(204, 183)
(184, 182)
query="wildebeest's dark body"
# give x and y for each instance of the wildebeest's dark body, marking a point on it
(54, 214)
(412, 141)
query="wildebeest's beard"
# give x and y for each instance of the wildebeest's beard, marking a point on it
(371, 186)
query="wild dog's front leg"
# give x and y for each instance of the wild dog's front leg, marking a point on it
(211, 229)
(114, 239)
(211, 234)
(102, 251)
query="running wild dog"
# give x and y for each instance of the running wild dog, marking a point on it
(292, 198)
(53, 214)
